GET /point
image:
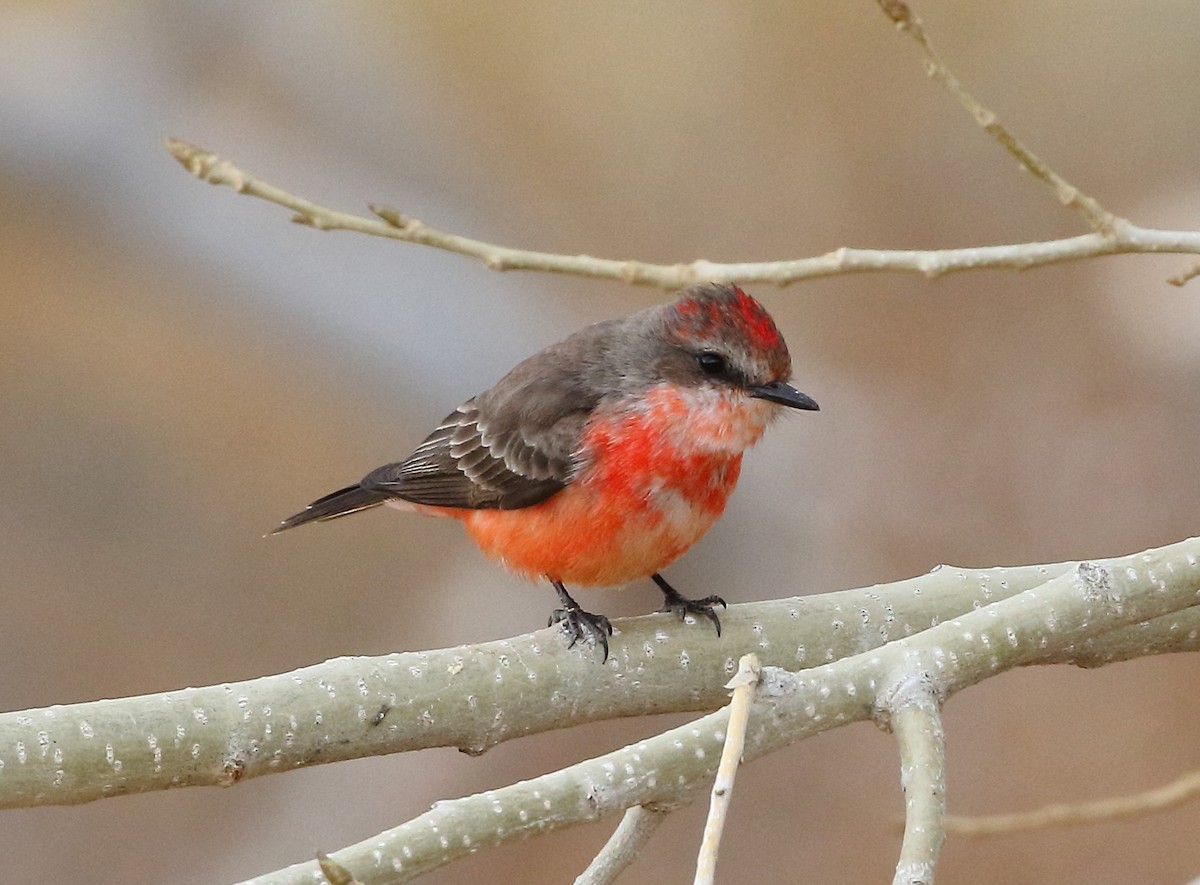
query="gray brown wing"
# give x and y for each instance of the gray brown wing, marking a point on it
(517, 443)
(475, 463)
(512, 446)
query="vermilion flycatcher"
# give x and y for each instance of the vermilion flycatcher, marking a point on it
(605, 456)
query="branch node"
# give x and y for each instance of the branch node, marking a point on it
(911, 687)
(985, 118)
(206, 165)
(700, 271)
(392, 216)
(897, 11)
(232, 771)
(1096, 583)
(621, 850)
(1068, 195)
(1182, 279)
(192, 158)
(334, 871)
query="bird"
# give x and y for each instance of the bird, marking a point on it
(600, 459)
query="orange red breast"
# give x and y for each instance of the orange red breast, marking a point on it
(652, 477)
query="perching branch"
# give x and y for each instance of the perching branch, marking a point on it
(1090, 599)
(473, 697)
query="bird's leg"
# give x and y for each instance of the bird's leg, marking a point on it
(674, 601)
(576, 622)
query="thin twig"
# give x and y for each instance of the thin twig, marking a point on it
(621, 849)
(1179, 791)
(1097, 216)
(1123, 238)
(743, 684)
(1190, 274)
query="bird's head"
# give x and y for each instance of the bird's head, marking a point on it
(718, 336)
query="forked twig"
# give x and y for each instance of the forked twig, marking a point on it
(1124, 237)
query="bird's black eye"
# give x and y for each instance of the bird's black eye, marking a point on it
(711, 363)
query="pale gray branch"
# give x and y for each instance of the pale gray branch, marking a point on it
(1087, 600)
(1121, 238)
(1179, 631)
(473, 697)
(621, 850)
(911, 708)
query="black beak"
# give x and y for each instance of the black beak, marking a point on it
(785, 395)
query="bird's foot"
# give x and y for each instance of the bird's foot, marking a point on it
(674, 601)
(578, 624)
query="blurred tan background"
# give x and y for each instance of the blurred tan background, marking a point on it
(180, 368)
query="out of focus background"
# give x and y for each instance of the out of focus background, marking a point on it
(180, 368)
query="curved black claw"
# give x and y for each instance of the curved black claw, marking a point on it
(674, 601)
(579, 624)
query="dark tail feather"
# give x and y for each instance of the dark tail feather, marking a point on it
(340, 503)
